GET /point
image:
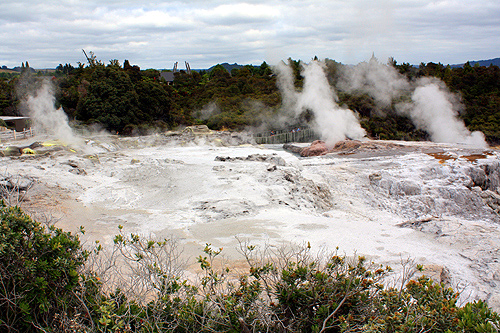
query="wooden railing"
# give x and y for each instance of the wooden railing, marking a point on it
(13, 135)
(295, 135)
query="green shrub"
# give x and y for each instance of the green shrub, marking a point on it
(39, 271)
(424, 306)
(314, 297)
(477, 317)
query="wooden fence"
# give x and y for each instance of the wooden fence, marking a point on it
(13, 135)
(302, 135)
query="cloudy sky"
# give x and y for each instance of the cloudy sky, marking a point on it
(205, 32)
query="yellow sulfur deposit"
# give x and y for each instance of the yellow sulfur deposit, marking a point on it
(28, 151)
(53, 143)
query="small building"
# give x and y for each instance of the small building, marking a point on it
(19, 123)
(168, 76)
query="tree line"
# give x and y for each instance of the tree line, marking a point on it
(128, 100)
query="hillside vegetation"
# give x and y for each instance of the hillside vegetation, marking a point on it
(128, 100)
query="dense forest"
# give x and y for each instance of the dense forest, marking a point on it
(128, 100)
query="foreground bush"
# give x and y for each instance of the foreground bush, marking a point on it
(39, 271)
(49, 283)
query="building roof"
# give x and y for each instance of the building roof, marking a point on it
(168, 76)
(10, 118)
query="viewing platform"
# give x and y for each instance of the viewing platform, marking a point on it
(284, 136)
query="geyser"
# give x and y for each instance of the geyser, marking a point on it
(46, 119)
(434, 111)
(433, 108)
(332, 122)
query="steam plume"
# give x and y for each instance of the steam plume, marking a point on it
(381, 82)
(286, 86)
(45, 117)
(433, 109)
(331, 121)
(289, 96)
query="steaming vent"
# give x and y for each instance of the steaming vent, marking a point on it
(427, 102)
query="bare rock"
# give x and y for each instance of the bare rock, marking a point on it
(375, 178)
(289, 177)
(15, 186)
(35, 145)
(197, 129)
(222, 158)
(405, 188)
(346, 146)
(292, 148)
(428, 225)
(77, 166)
(225, 208)
(13, 151)
(273, 159)
(478, 177)
(272, 168)
(317, 148)
(277, 160)
(437, 273)
(494, 301)
(486, 176)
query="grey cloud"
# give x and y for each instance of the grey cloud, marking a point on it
(236, 14)
(158, 33)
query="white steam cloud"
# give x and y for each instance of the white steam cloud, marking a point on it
(208, 110)
(46, 118)
(381, 82)
(433, 108)
(289, 95)
(332, 122)
(286, 86)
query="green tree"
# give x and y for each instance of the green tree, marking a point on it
(111, 99)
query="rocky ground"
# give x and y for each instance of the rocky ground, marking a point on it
(436, 204)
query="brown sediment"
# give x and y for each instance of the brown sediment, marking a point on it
(443, 157)
(475, 157)
(46, 200)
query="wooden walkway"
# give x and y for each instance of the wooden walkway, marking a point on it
(302, 135)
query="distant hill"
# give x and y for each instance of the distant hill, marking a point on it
(486, 63)
(229, 67)
(7, 70)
